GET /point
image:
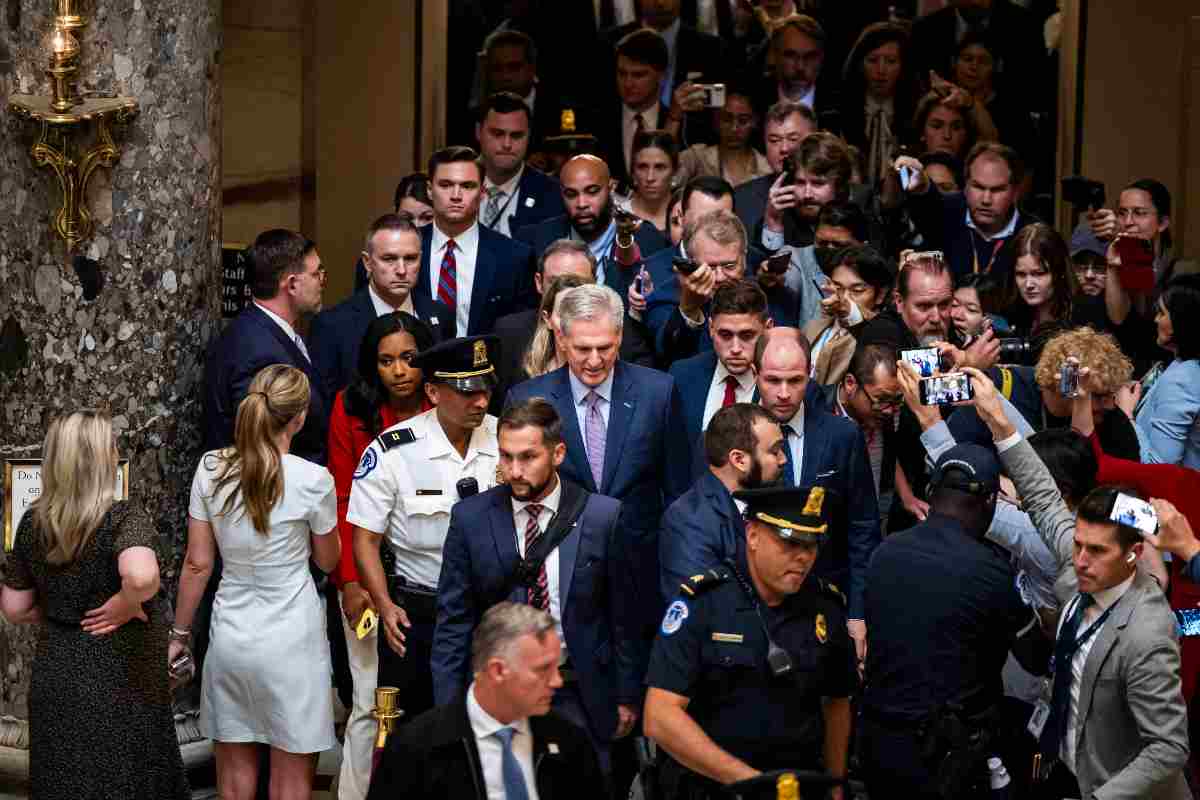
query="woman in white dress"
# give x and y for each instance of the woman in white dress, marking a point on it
(266, 677)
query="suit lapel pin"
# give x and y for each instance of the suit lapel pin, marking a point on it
(433, 320)
(628, 404)
(552, 748)
(529, 202)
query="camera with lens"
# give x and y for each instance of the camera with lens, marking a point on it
(1016, 350)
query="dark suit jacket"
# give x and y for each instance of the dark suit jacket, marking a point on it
(607, 129)
(647, 459)
(700, 530)
(539, 237)
(539, 198)
(434, 756)
(941, 220)
(835, 456)
(337, 332)
(594, 591)
(253, 341)
(693, 376)
(516, 332)
(503, 278)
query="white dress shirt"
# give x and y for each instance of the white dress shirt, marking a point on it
(491, 752)
(509, 202)
(795, 442)
(465, 254)
(531, 98)
(382, 307)
(286, 327)
(716, 391)
(1104, 601)
(580, 392)
(623, 12)
(520, 521)
(809, 98)
(629, 128)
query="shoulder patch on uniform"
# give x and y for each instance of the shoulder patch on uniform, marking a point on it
(395, 438)
(677, 612)
(705, 581)
(831, 588)
(368, 463)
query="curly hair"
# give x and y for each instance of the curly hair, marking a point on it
(1099, 352)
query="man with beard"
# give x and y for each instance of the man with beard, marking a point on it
(586, 192)
(797, 47)
(744, 449)
(869, 395)
(822, 450)
(794, 202)
(392, 258)
(515, 194)
(404, 488)
(562, 539)
(480, 274)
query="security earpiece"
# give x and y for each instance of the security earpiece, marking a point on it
(1131, 559)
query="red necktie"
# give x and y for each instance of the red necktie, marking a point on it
(448, 280)
(537, 596)
(731, 385)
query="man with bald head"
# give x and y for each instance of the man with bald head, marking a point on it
(587, 194)
(822, 450)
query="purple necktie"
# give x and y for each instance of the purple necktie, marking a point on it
(594, 432)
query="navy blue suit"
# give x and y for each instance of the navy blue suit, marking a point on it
(478, 558)
(539, 198)
(542, 235)
(503, 281)
(835, 456)
(337, 333)
(647, 459)
(693, 377)
(941, 220)
(253, 341)
(699, 530)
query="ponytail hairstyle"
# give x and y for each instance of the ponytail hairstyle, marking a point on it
(254, 465)
(79, 476)
(542, 353)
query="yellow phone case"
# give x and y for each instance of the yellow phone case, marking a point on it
(366, 623)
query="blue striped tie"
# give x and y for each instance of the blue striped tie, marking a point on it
(514, 779)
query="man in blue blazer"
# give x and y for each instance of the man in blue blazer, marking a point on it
(717, 378)
(621, 427)
(481, 274)
(583, 581)
(587, 196)
(392, 259)
(515, 195)
(743, 450)
(287, 284)
(823, 450)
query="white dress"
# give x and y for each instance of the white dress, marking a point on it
(267, 673)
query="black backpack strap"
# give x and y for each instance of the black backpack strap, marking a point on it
(574, 499)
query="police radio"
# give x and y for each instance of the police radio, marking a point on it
(778, 659)
(467, 487)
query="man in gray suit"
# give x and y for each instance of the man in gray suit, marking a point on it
(1115, 725)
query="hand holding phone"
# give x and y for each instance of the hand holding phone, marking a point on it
(778, 263)
(1129, 510)
(1137, 263)
(942, 390)
(684, 266)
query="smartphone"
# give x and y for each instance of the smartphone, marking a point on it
(953, 387)
(1133, 512)
(789, 169)
(905, 177)
(1068, 379)
(643, 282)
(684, 266)
(366, 623)
(1083, 192)
(622, 216)
(778, 263)
(924, 360)
(1189, 621)
(1137, 263)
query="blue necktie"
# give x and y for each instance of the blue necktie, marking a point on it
(514, 779)
(1060, 696)
(789, 473)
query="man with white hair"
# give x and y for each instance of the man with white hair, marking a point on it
(621, 425)
(500, 739)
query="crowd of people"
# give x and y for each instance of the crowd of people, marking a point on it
(719, 403)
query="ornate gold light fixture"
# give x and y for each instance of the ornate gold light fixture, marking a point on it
(63, 111)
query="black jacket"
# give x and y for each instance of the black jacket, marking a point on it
(434, 757)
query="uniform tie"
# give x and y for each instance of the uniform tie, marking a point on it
(537, 596)
(731, 386)
(448, 280)
(595, 432)
(514, 779)
(789, 473)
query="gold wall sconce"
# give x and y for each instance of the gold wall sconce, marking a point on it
(62, 112)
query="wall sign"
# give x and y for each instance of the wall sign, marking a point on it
(23, 485)
(235, 279)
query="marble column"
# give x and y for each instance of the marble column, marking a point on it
(136, 346)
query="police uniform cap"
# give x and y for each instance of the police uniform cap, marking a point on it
(968, 468)
(465, 364)
(795, 513)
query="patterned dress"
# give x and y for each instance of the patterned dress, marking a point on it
(100, 723)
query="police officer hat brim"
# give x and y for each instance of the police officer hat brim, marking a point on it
(486, 382)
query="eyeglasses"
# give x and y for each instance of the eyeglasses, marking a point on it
(1091, 269)
(884, 402)
(726, 266)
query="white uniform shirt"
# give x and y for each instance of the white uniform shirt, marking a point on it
(491, 752)
(743, 393)
(465, 254)
(406, 491)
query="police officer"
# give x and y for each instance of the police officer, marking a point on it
(404, 487)
(943, 609)
(752, 667)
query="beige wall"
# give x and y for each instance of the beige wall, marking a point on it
(1141, 92)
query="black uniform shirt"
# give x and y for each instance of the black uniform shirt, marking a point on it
(712, 649)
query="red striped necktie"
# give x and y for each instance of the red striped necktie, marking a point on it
(448, 281)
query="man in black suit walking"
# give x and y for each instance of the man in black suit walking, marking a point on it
(392, 259)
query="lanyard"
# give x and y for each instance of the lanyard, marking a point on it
(508, 202)
(975, 254)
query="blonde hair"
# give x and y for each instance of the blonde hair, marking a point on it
(541, 356)
(253, 467)
(79, 477)
(1099, 352)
